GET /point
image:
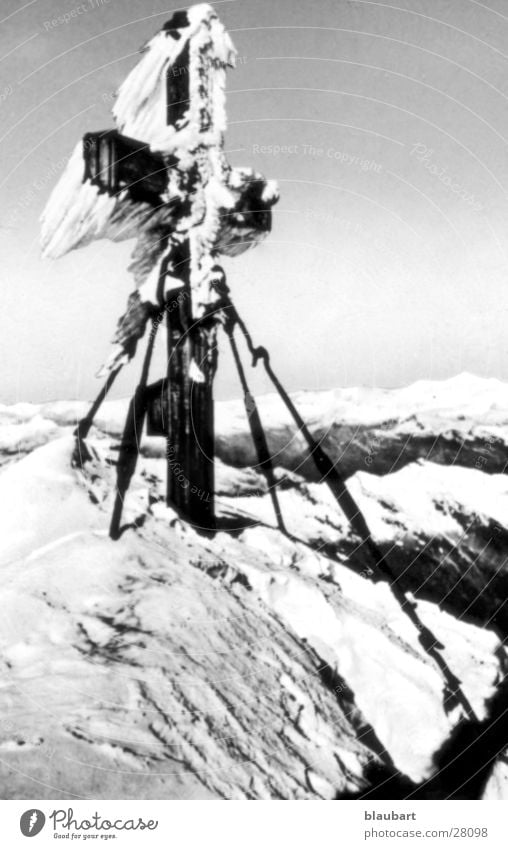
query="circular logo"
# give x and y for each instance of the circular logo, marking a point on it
(32, 822)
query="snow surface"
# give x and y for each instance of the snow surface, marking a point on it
(205, 201)
(252, 664)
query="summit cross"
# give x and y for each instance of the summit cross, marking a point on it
(162, 177)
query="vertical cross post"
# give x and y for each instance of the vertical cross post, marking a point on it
(191, 361)
(189, 418)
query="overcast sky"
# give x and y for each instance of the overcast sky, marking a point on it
(388, 260)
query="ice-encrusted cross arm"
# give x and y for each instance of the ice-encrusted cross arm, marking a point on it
(162, 177)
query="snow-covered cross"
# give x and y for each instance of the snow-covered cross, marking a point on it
(162, 177)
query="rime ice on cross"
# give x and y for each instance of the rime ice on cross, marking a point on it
(162, 177)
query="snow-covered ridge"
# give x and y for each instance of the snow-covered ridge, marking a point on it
(252, 664)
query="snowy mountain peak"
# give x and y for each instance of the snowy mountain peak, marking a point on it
(273, 656)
